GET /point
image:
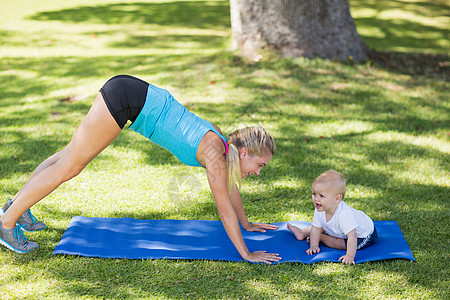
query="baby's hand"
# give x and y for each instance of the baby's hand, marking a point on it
(347, 259)
(313, 250)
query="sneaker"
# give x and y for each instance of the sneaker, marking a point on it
(27, 221)
(15, 240)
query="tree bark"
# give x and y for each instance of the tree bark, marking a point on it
(309, 28)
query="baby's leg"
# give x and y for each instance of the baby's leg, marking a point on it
(300, 234)
(333, 242)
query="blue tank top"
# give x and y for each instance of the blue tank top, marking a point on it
(167, 123)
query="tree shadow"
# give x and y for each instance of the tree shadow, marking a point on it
(168, 41)
(190, 14)
(184, 279)
(414, 64)
(300, 157)
(265, 103)
(402, 32)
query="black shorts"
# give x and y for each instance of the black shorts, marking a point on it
(124, 96)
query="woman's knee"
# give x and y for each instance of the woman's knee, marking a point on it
(70, 170)
(68, 165)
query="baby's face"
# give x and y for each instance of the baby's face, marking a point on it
(325, 196)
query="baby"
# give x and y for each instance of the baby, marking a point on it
(345, 228)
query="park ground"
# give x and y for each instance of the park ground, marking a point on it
(383, 123)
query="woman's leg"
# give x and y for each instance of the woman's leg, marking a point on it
(45, 164)
(96, 132)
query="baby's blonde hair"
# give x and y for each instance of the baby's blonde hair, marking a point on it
(335, 178)
(257, 141)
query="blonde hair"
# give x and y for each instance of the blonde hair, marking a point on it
(335, 178)
(257, 141)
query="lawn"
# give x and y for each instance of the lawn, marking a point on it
(384, 124)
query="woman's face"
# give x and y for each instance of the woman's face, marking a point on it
(252, 164)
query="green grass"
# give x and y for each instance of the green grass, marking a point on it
(384, 124)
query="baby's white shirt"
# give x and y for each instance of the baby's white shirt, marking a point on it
(344, 220)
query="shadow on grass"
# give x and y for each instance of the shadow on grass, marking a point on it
(168, 41)
(409, 31)
(265, 102)
(398, 32)
(300, 156)
(192, 14)
(187, 279)
(433, 65)
(402, 30)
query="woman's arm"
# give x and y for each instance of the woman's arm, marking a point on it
(217, 182)
(236, 202)
(226, 212)
(216, 170)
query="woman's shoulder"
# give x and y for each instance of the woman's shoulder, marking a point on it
(211, 148)
(216, 128)
(213, 141)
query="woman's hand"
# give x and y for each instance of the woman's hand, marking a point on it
(260, 227)
(263, 256)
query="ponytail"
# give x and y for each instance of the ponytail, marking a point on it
(257, 141)
(233, 167)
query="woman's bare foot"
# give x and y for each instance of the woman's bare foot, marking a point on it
(298, 233)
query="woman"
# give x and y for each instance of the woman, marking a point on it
(155, 114)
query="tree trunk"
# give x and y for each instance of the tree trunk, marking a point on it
(309, 28)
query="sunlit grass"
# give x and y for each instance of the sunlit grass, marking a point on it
(385, 129)
(406, 26)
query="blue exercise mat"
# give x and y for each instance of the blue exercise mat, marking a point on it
(201, 239)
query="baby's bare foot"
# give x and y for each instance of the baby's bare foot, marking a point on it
(298, 233)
